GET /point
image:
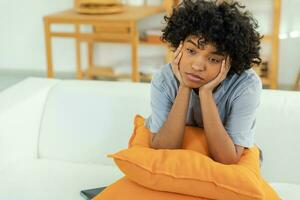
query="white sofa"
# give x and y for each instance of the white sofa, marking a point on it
(54, 136)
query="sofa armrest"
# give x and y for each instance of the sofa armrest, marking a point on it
(21, 108)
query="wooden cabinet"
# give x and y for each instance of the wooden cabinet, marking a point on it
(268, 70)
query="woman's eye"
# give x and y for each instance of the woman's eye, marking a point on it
(214, 60)
(191, 51)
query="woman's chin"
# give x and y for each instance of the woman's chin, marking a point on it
(194, 85)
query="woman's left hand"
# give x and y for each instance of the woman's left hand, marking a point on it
(210, 86)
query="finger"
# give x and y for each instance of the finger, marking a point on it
(177, 59)
(223, 66)
(222, 73)
(178, 50)
(176, 71)
(175, 66)
(225, 69)
(227, 63)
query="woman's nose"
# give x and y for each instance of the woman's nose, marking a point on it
(198, 65)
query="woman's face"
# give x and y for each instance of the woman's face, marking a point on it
(199, 64)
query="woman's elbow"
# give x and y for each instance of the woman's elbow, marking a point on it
(229, 160)
(153, 141)
(157, 143)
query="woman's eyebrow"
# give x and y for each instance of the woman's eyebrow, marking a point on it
(217, 53)
(213, 52)
(192, 42)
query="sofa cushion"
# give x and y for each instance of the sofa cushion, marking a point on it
(126, 189)
(21, 110)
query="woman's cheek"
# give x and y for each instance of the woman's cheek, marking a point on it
(215, 74)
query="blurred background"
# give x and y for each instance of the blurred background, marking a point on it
(23, 43)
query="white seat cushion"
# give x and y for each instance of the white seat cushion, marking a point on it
(287, 191)
(47, 180)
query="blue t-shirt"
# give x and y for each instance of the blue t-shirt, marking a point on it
(237, 99)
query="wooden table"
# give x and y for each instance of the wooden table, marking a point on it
(120, 27)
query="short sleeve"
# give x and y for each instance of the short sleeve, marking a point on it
(161, 104)
(240, 124)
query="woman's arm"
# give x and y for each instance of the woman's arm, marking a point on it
(220, 145)
(170, 136)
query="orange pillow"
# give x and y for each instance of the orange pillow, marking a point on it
(125, 189)
(194, 138)
(190, 171)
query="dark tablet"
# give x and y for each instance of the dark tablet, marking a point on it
(91, 193)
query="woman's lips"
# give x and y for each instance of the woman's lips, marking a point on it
(194, 78)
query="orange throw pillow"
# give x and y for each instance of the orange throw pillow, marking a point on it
(125, 189)
(191, 171)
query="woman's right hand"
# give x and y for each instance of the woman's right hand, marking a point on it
(175, 63)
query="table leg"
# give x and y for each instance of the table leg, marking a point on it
(90, 59)
(135, 76)
(79, 73)
(297, 82)
(48, 43)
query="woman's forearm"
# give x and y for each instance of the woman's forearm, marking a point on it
(220, 144)
(170, 136)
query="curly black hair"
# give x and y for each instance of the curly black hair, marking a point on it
(223, 24)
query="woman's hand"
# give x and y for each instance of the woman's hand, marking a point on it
(210, 86)
(175, 64)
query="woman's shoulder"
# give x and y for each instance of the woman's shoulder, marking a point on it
(165, 80)
(164, 75)
(251, 76)
(248, 81)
